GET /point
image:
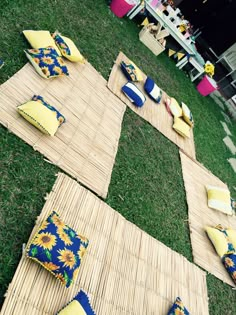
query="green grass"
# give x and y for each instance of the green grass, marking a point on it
(147, 185)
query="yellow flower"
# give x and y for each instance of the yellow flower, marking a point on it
(75, 274)
(50, 266)
(61, 62)
(57, 70)
(81, 251)
(61, 120)
(57, 221)
(47, 51)
(67, 257)
(48, 60)
(61, 278)
(36, 60)
(45, 240)
(46, 71)
(35, 51)
(44, 225)
(83, 239)
(179, 312)
(64, 236)
(229, 262)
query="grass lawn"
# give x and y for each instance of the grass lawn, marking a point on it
(147, 185)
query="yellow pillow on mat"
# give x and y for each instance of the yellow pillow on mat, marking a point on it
(187, 115)
(40, 39)
(181, 127)
(219, 199)
(41, 115)
(68, 48)
(232, 236)
(175, 109)
(219, 239)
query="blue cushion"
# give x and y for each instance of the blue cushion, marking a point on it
(229, 261)
(134, 94)
(178, 308)
(153, 90)
(80, 304)
(58, 248)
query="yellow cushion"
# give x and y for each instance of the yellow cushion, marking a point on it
(138, 72)
(68, 48)
(73, 308)
(181, 127)
(40, 39)
(219, 199)
(44, 117)
(232, 236)
(187, 115)
(174, 107)
(219, 239)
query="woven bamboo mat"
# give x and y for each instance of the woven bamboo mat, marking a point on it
(195, 178)
(156, 115)
(85, 146)
(125, 271)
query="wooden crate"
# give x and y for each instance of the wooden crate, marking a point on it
(150, 41)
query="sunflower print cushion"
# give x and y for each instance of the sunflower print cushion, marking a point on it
(47, 62)
(79, 305)
(131, 71)
(58, 248)
(229, 261)
(178, 308)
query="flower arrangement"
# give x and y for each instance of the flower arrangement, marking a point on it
(209, 69)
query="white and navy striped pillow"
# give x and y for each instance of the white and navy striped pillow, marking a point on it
(153, 90)
(134, 94)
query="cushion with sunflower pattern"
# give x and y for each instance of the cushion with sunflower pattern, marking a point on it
(47, 62)
(229, 261)
(42, 115)
(68, 48)
(131, 71)
(80, 305)
(58, 248)
(178, 308)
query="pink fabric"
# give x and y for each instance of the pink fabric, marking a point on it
(120, 7)
(206, 87)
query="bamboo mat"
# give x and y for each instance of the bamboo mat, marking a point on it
(125, 271)
(85, 146)
(155, 114)
(196, 176)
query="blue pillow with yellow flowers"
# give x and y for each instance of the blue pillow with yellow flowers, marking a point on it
(178, 308)
(47, 62)
(79, 305)
(229, 261)
(58, 248)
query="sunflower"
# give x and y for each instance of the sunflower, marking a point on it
(64, 236)
(61, 62)
(50, 266)
(61, 120)
(229, 262)
(44, 225)
(61, 278)
(46, 71)
(81, 251)
(47, 60)
(36, 60)
(57, 221)
(45, 240)
(35, 51)
(82, 238)
(67, 257)
(75, 274)
(58, 70)
(48, 51)
(179, 312)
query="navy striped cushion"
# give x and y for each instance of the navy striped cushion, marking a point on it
(153, 90)
(134, 94)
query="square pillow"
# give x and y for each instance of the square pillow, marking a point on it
(58, 248)
(220, 239)
(134, 94)
(219, 199)
(68, 48)
(47, 62)
(181, 127)
(40, 39)
(42, 115)
(131, 71)
(173, 106)
(229, 261)
(178, 308)
(187, 115)
(153, 90)
(80, 305)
